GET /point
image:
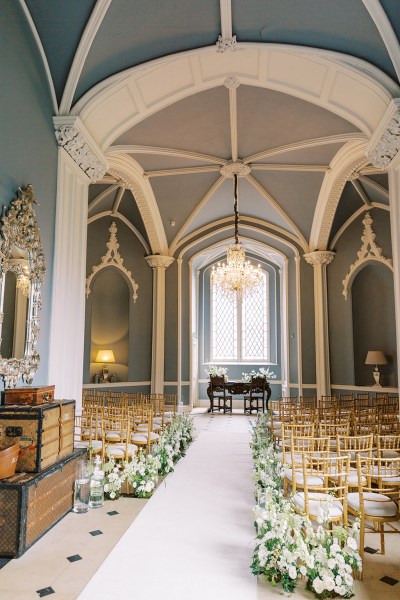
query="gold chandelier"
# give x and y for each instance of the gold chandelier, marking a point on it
(237, 276)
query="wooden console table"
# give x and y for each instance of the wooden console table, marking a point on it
(239, 388)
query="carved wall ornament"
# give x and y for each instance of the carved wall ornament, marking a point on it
(238, 167)
(72, 136)
(319, 257)
(231, 83)
(224, 44)
(21, 253)
(369, 251)
(387, 143)
(112, 258)
(157, 261)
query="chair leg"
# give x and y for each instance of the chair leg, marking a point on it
(382, 536)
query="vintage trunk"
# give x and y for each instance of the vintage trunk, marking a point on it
(31, 503)
(29, 395)
(44, 432)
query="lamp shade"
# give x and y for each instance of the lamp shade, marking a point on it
(375, 357)
(105, 356)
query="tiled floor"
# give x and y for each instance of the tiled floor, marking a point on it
(61, 563)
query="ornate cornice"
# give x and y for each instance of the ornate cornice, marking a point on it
(224, 44)
(369, 251)
(156, 261)
(385, 143)
(76, 140)
(319, 257)
(112, 258)
(235, 168)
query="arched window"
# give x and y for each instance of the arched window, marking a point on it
(240, 329)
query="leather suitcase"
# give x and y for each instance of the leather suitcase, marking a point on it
(44, 432)
(29, 395)
(31, 503)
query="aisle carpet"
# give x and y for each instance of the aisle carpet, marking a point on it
(194, 538)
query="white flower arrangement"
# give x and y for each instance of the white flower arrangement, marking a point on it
(287, 545)
(215, 371)
(262, 372)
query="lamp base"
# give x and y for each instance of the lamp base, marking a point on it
(377, 377)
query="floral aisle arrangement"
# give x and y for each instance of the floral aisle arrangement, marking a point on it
(143, 470)
(267, 373)
(288, 546)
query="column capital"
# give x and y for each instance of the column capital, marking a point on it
(384, 145)
(157, 261)
(73, 136)
(319, 257)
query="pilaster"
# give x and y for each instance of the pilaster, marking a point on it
(394, 199)
(159, 264)
(319, 260)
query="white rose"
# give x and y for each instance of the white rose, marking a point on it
(331, 563)
(351, 543)
(112, 495)
(318, 585)
(329, 583)
(292, 572)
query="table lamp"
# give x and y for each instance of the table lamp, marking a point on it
(376, 357)
(105, 356)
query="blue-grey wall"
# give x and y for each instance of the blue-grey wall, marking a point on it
(27, 141)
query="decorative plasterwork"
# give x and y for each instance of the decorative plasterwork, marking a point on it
(112, 258)
(224, 44)
(369, 251)
(231, 83)
(156, 261)
(73, 137)
(235, 168)
(319, 258)
(385, 144)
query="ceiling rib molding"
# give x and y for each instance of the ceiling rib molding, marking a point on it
(288, 167)
(182, 171)
(42, 54)
(128, 149)
(118, 199)
(130, 173)
(346, 162)
(233, 116)
(103, 195)
(360, 191)
(226, 224)
(196, 211)
(312, 143)
(121, 217)
(376, 186)
(261, 189)
(372, 90)
(226, 18)
(386, 32)
(91, 29)
(353, 217)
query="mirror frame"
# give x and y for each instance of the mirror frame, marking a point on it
(18, 227)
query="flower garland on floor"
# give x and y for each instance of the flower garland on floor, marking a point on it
(287, 544)
(143, 470)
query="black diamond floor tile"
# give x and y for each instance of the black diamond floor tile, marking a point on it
(370, 550)
(74, 558)
(96, 532)
(4, 561)
(45, 592)
(389, 580)
(113, 512)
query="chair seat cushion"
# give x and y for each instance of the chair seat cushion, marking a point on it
(387, 475)
(95, 444)
(312, 479)
(119, 451)
(114, 436)
(316, 504)
(298, 458)
(390, 454)
(375, 505)
(144, 427)
(352, 478)
(142, 438)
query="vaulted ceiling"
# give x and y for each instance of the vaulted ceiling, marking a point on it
(284, 141)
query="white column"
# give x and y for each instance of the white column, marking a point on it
(320, 259)
(394, 198)
(179, 344)
(159, 264)
(298, 326)
(79, 163)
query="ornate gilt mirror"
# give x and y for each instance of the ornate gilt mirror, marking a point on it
(22, 270)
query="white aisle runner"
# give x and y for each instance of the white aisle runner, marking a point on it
(194, 539)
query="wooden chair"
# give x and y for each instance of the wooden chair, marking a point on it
(377, 500)
(255, 400)
(302, 446)
(86, 434)
(388, 445)
(219, 399)
(116, 437)
(143, 435)
(326, 503)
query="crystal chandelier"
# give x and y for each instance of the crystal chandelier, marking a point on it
(237, 276)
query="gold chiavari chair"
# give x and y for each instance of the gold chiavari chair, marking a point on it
(282, 439)
(303, 446)
(144, 437)
(388, 445)
(86, 433)
(362, 400)
(326, 503)
(364, 420)
(352, 446)
(377, 498)
(116, 436)
(333, 429)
